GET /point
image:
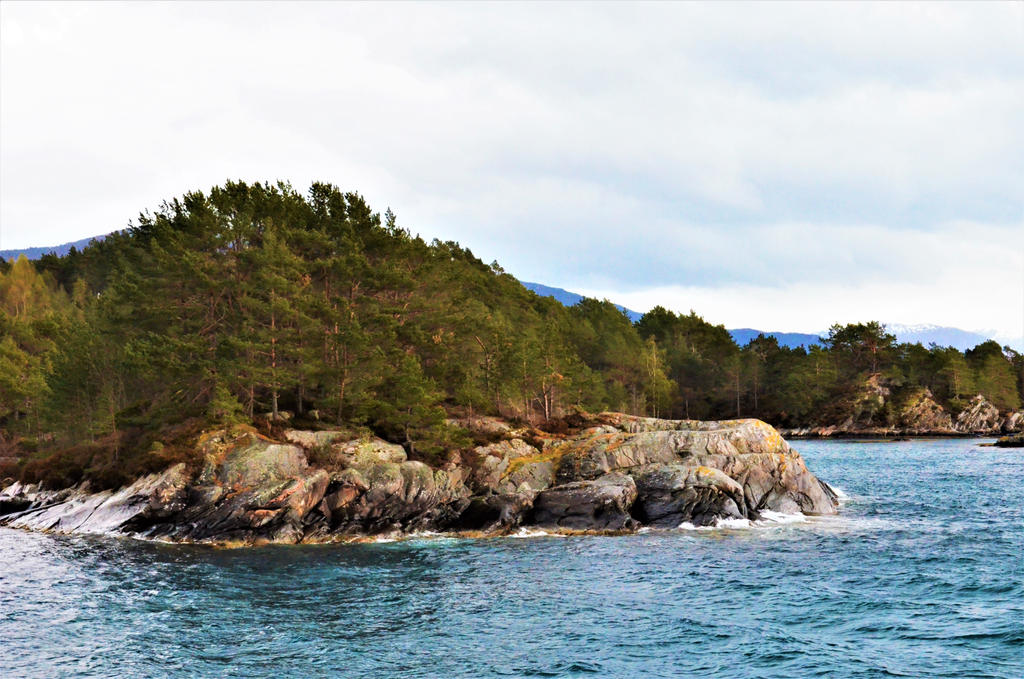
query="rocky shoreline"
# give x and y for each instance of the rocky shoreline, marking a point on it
(920, 416)
(606, 473)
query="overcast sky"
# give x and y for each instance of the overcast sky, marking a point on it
(775, 166)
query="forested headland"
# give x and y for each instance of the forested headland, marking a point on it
(257, 303)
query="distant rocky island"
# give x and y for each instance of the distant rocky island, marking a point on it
(601, 473)
(260, 312)
(919, 415)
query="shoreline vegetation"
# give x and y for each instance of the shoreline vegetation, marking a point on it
(606, 473)
(255, 305)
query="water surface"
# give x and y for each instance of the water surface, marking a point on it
(920, 576)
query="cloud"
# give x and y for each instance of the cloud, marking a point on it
(835, 151)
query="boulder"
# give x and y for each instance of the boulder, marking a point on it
(671, 494)
(246, 458)
(496, 512)
(980, 417)
(1013, 422)
(481, 424)
(490, 463)
(148, 499)
(315, 439)
(1012, 441)
(600, 504)
(921, 414)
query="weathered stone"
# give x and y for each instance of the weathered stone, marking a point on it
(108, 512)
(980, 417)
(1013, 422)
(495, 512)
(488, 426)
(588, 457)
(490, 463)
(671, 494)
(922, 415)
(366, 452)
(1012, 441)
(600, 504)
(315, 439)
(250, 459)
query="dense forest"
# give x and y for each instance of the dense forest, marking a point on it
(257, 303)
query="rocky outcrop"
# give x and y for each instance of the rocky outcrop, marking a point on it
(672, 494)
(921, 414)
(1012, 441)
(880, 410)
(76, 510)
(1013, 422)
(749, 452)
(980, 417)
(601, 504)
(609, 472)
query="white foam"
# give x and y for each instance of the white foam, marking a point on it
(768, 517)
(720, 524)
(840, 493)
(535, 533)
(732, 523)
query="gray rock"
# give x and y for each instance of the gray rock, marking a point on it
(496, 512)
(980, 417)
(600, 504)
(1012, 441)
(671, 494)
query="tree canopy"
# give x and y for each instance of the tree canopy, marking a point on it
(254, 300)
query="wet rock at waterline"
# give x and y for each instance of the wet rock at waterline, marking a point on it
(609, 472)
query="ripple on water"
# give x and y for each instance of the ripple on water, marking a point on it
(919, 576)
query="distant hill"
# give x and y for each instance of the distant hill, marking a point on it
(923, 334)
(943, 336)
(786, 339)
(572, 299)
(60, 250)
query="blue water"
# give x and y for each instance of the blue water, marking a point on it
(921, 576)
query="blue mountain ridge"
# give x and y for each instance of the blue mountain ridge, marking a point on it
(925, 334)
(59, 250)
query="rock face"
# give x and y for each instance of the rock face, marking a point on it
(1012, 441)
(922, 415)
(878, 410)
(980, 417)
(611, 472)
(1013, 422)
(76, 510)
(675, 493)
(601, 504)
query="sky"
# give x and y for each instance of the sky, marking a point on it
(779, 166)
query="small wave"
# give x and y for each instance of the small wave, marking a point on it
(720, 524)
(535, 533)
(840, 493)
(769, 518)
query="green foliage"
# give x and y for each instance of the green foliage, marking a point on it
(252, 298)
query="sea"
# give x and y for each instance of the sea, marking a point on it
(921, 574)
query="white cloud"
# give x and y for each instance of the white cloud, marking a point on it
(833, 151)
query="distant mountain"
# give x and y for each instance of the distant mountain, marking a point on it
(572, 299)
(786, 339)
(60, 250)
(924, 334)
(943, 336)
